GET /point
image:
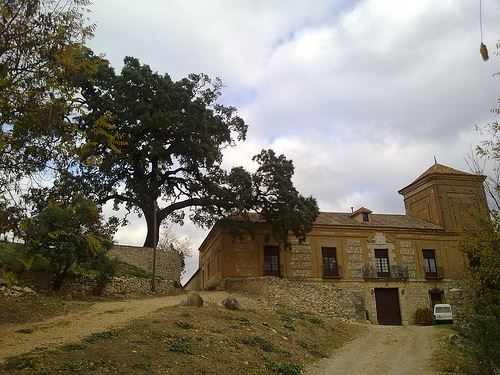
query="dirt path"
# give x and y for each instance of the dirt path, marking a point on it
(73, 327)
(384, 350)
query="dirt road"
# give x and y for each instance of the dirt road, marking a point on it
(101, 316)
(385, 350)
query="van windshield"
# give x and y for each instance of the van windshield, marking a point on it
(443, 309)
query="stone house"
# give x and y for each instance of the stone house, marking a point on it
(360, 264)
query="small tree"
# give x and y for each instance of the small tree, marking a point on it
(481, 329)
(68, 233)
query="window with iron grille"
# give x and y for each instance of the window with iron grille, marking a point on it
(330, 266)
(382, 262)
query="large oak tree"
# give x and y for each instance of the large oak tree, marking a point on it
(173, 134)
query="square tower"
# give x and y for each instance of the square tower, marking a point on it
(446, 197)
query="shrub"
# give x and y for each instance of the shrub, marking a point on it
(106, 269)
(424, 316)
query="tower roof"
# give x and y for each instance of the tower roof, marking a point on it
(439, 170)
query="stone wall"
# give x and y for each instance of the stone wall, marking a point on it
(168, 263)
(305, 295)
(77, 286)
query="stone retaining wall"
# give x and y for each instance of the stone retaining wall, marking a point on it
(77, 286)
(305, 295)
(168, 263)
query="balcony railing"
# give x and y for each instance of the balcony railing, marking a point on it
(332, 274)
(433, 273)
(395, 272)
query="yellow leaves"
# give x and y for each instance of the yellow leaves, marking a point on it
(93, 243)
(103, 127)
(57, 234)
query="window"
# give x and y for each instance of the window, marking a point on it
(330, 266)
(382, 263)
(366, 218)
(430, 266)
(271, 261)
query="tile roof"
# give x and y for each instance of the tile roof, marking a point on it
(442, 169)
(343, 219)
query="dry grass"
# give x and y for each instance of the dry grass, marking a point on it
(209, 340)
(35, 308)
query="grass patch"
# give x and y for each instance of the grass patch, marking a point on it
(25, 330)
(318, 321)
(106, 335)
(73, 347)
(184, 325)
(260, 342)
(285, 368)
(19, 363)
(180, 347)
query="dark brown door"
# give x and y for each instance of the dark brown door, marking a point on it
(272, 261)
(387, 300)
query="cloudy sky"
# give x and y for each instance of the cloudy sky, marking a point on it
(361, 95)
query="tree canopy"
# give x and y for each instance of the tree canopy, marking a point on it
(68, 233)
(172, 137)
(42, 57)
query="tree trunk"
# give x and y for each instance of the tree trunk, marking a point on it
(150, 222)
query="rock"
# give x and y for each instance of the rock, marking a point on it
(16, 288)
(3, 282)
(28, 290)
(192, 299)
(231, 303)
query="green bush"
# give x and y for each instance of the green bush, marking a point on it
(106, 269)
(424, 316)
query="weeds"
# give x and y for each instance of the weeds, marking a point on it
(184, 325)
(285, 368)
(260, 342)
(25, 330)
(73, 347)
(318, 321)
(106, 335)
(19, 363)
(180, 347)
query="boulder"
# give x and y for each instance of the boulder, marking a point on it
(192, 299)
(231, 303)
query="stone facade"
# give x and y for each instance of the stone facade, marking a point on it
(168, 263)
(308, 296)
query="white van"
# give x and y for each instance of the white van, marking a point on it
(443, 313)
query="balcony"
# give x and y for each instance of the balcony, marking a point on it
(332, 274)
(433, 273)
(395, 273)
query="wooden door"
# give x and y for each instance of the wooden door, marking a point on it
(272, 261)
(387, 301)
